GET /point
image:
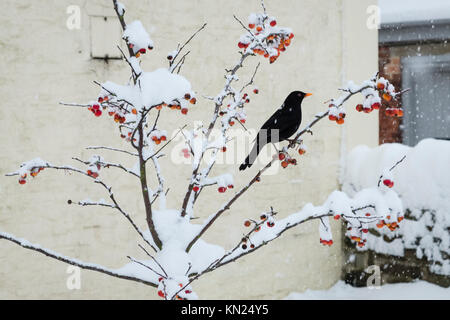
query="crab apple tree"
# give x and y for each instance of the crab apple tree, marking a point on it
(176, 255)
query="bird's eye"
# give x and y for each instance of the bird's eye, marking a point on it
(299, 94)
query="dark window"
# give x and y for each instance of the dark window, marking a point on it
(427, 105)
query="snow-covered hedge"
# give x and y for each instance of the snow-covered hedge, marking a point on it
(422, 181)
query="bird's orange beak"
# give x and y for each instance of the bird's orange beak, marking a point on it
(308, 94)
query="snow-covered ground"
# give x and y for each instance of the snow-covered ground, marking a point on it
(420, 290)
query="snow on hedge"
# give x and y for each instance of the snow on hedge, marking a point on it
(423, 183)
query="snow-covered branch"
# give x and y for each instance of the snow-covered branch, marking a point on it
(84, 265)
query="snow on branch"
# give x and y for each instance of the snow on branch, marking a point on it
(88, 266)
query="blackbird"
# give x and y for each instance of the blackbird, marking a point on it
(279, 127)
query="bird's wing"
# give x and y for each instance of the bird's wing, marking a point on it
(283, 120)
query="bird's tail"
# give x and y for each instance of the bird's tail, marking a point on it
(252, 155)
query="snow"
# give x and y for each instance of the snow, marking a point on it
(420, 290)
(413, 10)
(422, 182)
(121, 8)
(136, 34)
(153, 88)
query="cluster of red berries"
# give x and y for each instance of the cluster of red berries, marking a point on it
(326, 242)
(265, 38)
(93, 171)
(95, 109)
(186, 152)
(390, 225)
(158, 137)
(95, 164)
(266, 218)
(387, 92)
(246, 242)
(223, 189)
(336, 113)
(176, 105)
(33, 172)
(286, 160)
(239, 103)
(138, 51)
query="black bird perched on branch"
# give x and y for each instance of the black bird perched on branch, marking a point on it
(280, 126)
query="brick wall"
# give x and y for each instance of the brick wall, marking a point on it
(389, 66)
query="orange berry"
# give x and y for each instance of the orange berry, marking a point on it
(387, 97)
(284, 164)
(247, 223)
(134, 111)
(259, 28)
(193, 100)
(380, 86)
(340, 121)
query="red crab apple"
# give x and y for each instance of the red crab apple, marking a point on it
(92, 174)
(161, 294)
(388, 183)
(22, 181)
(196, 188)
(222, 189)
(376, 106)
(247, 223)
(184, 111)
(273, 23)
